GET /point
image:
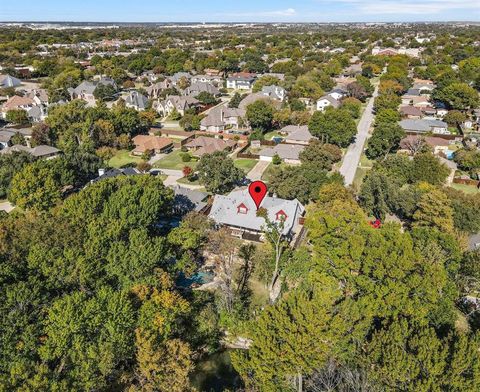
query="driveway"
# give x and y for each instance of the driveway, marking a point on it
(173, 176)
(256, 173)
(156, 158)
(354, 151)
(6, 206)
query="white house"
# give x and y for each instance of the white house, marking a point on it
(241, 81)
(275, 92)
(238, 212)
(327, 101)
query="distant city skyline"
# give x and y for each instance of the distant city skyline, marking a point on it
(244, 11)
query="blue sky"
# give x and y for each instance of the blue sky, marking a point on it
(240, 11)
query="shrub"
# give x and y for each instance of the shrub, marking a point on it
(276, 160)
(185, 157)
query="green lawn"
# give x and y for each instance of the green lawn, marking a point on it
(358, 179)
(122, 158)
(184, 180)
(365, 162)
(272, 134)
(245, 164)
(174, 161)
(269, 169)
(470, 189)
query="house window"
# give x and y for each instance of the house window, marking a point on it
(281, 216)
(242, 209)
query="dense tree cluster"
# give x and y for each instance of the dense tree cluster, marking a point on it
(89, 300)
(373, 306)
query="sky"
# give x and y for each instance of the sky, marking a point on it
(240, 11)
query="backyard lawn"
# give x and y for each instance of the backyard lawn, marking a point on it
(245, 164)
(122, 158)
(272, 134)
(470, 189)
(174, 161)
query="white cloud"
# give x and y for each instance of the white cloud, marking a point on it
(287, 12)
(404, 7)
(410, 7)
(276, 13)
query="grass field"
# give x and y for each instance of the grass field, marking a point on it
(245, 164)
(470, 189)
(174, 161)
(122, 158)
(269, 169)
(358, 179)
(365, 162)
(184, 180)
(272, 134)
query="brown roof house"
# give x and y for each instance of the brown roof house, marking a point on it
(414, 143)
(208, 145)
(156, 144)
(15, 102)
(411, 112)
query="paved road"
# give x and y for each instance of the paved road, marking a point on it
(354, 151)
(256, 173)
(173, 176)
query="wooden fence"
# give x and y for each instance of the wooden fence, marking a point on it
(439, 135)
(466, 181)
(242, 154)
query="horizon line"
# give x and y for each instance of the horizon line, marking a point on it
(238, 22)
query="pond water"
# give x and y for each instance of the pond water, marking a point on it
(215, 373)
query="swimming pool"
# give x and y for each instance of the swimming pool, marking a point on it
(197, 278)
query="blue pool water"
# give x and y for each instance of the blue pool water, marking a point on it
(197, 278)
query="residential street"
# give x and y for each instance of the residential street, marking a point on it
(354, 151)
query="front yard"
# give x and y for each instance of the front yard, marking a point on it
(174, 161)
(122, 159)
(245, 164)
(268, 171)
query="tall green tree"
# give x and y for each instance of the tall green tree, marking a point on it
(218, 173)
(335, 125)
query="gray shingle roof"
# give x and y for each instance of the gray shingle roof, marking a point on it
(200, 87)
(284, 151)
(9, 81)
(225, 211)
(422, 125)
(137, 100)
(302, 134)
(188, 199)
(37, 152)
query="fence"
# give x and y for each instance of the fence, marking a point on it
(466, 181)
(439, 135)
(171, 132)
(242, 154)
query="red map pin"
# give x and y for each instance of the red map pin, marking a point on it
(258, 191)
